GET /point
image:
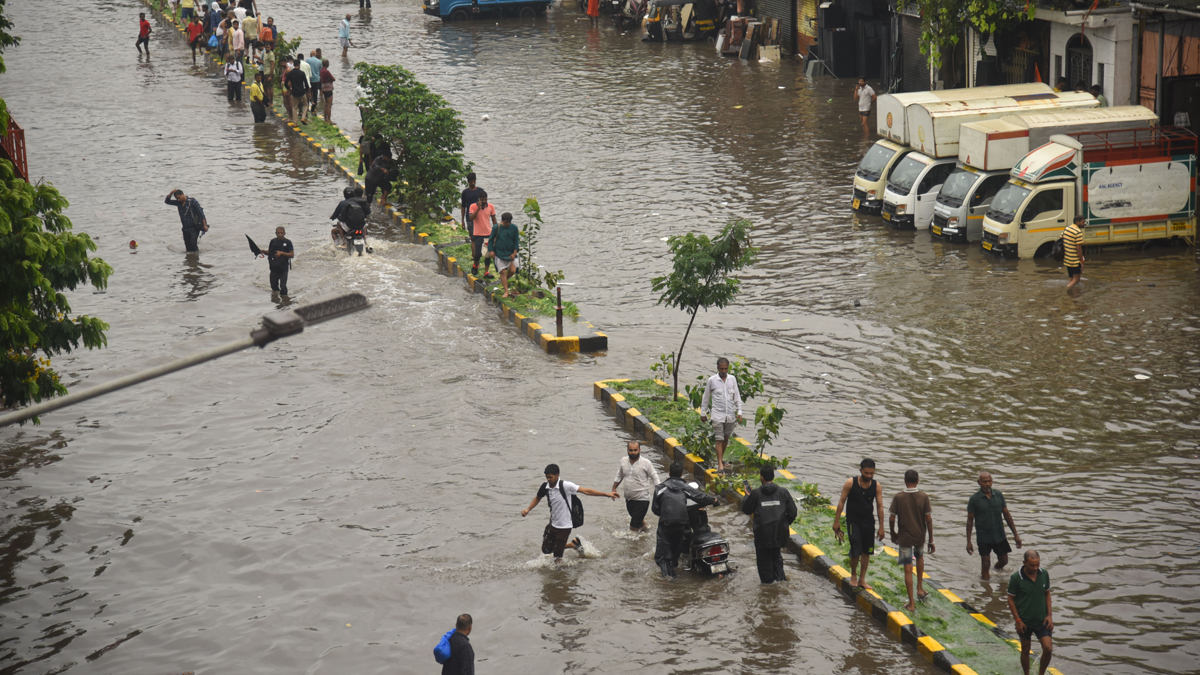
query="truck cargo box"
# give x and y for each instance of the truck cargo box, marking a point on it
(999, 144)
(933, 128)
(892, 123)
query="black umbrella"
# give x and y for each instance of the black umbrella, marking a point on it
(255, 249)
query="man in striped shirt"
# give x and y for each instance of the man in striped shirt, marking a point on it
(1073, 250)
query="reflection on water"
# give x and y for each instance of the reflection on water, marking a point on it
(195, 276)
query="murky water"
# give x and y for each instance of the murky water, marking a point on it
(330, 503)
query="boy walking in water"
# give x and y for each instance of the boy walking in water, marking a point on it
(143, 34)
(912, 509)
(858, 496)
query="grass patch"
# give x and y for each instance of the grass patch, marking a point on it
(441, 232)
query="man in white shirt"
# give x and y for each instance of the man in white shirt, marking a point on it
(723, 402)
(866, 96)
(639, 477)
(560, 495)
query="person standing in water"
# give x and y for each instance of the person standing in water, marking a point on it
(279, 257)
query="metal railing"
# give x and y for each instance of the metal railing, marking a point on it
(1137, 143)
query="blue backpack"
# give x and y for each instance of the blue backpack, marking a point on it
(441, 653)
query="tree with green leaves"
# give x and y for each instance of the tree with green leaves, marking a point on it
(700, 276)
(425, 132)
(41, 258)
(942, 22)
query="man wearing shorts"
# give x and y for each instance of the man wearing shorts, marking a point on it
(558, 495)
(503, 245)
(862, 497)
(1073, 251)
(984, 512)
(1029, 602)
(866, 96)
(344, 34)
(911, 507)
(723, 402)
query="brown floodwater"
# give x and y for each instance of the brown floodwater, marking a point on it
(330, 503)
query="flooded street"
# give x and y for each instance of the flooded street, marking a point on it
(330, 503)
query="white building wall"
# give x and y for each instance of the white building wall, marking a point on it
(1111, 38)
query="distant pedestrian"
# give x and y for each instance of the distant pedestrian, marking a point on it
(344, 32)
(462, 655)
(234, 74)
(1099, 94)
(191, 216)
(866, 96)
(483, 217)
(722, 401)
(314, 79)
(985, 509)
(256, 100)
(237, 41)
(593, 12)
(364, 4)
(279, 258)
(189, 10)
(297, 86)
(251, 6)
(862, 497)
(560, 494)
(327, 80)
(174, 4)
(250, 32)
(1072, 238)
(237, 13)
(379, 177)
(469, 196)
(670, 505)
(143, 34)
(774, 510)
(911, 507)
(1061, 85)
(271, 27)
(503, 245)
(1029, 602)
(268, 71)
(640, 477)
(195, 35)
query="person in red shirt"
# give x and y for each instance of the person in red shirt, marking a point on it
(483, 217)
(143, 34)
(195, 32)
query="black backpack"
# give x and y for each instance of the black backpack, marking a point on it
(575, 503)
(353, 215)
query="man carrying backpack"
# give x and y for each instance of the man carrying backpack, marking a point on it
(670, 505)
(351, 213)
(566, 511)
(462, 655)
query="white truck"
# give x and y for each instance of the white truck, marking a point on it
(892, 125)
(914, 182)
(1130, 186)
(987, 151)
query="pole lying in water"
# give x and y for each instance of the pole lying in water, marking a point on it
(274, 326)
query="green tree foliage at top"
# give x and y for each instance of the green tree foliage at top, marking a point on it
(40, 257)
(942, 21)
(425, 132)
(700, 276)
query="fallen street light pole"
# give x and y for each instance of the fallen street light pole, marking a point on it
(274, 326)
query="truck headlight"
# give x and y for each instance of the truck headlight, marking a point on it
(901, 208)
(952, 221)
(1003, 238)
(870, 194)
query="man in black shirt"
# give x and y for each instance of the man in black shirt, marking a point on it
(297, 84)
(469, 196)
(191, 216)
(859, 495)
(379, 177)
(774, 510)
(462, 655)
(279, 257)
(670, 505)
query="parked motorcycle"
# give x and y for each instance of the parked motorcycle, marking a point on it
(708, 551)
(631, 12)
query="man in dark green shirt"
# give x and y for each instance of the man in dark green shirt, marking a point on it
(1029, 602)
(503, 244)
(984, 512)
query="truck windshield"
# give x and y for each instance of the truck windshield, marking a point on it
(904, 175)
(872, 165)
(1007, 201)
(956, 188)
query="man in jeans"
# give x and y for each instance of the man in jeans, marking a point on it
(984, 512)
(558, 495)
(723, 402)
(233, 76)
(191, 216)
(911, 507)
(1029, 602)
(640, 478)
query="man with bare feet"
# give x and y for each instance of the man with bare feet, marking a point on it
(912, 509)
(857, 496)
(984, 511)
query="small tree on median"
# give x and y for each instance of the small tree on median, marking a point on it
(700, 275)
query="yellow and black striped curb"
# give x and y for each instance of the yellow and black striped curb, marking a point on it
(547, 340)
(895, 621)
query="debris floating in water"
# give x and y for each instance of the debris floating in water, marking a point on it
(1139, 376)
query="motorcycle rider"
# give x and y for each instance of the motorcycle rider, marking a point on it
(348, 212)
(670, 505)
(773, 510)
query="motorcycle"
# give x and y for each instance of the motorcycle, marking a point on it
(632, 12)
(355, 240)
(708, 551)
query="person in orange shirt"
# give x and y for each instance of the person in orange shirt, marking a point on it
(483, 217)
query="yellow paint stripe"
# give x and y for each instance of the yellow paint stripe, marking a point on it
(891, 551)
(618, 397)
(949, 595)
(741, 440)
(927, 646)
(897, 621)
(837, 573)
(787, 474)
(964, 669)
(983, 619)
(809, 551)
(791, 530)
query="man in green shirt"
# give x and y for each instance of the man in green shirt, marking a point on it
(984, 510)
(1029, 602)
(269, 75)
(503, 245)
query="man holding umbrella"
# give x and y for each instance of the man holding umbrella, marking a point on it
(279, 256)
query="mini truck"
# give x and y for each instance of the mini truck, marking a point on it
(988, 150)
(892, 124)
(1131, 186)
(914, 183)
(464, 10)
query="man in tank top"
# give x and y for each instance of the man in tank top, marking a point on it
(862, 498)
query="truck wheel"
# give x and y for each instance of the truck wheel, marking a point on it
(527, 12)
(1045, 250)
(460, 15)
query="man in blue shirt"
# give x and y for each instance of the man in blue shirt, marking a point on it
(344, 30)
(191, 216)
(314, 79)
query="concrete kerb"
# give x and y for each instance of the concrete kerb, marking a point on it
(591, 340)
(890, 618)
